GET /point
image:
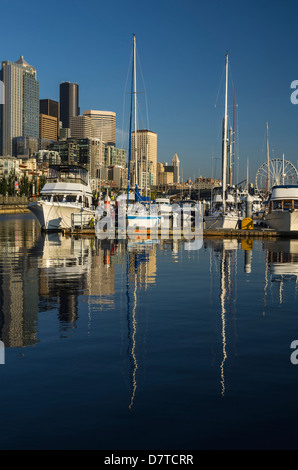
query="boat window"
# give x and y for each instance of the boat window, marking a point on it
(58, 198)
(277, 205)
(287, 205)
(70, 198)
(296, 204)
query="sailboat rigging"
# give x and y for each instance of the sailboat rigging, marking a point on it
(224, 212)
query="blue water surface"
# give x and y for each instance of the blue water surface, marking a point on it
(138, 345)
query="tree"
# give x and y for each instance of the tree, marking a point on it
(11, 182)
(42, 181)
(3, 186)
(24, 185)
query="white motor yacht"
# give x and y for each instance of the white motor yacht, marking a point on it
(67, 191)
(283, 208)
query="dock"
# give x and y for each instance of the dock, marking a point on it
(256, 233)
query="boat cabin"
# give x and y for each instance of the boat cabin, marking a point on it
(284, 198)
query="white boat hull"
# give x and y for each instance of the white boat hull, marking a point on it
(283, 221)
(56, 216)
(219, 221)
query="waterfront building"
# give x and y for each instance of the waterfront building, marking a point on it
(24, 147)
(50, 157)
(68, 150)
(114, 156)
(85, 152)
(146, 142)
(118, 175)
(104, 125)
(7, 165)
(20, 115)
(69, 102)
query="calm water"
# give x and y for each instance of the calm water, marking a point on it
(146, 346)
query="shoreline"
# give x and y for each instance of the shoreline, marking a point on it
(14, 210)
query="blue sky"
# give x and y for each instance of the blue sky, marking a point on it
(181, 47)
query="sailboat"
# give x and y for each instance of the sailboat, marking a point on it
(224, 213)
(139, 215)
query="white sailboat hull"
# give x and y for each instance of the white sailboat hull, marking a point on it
(56, 216)
(220, 221)
(283, 221)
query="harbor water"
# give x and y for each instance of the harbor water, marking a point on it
(141, 344)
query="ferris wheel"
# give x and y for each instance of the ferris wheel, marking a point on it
(280, 172)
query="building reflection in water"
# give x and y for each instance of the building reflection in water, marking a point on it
(18, 283)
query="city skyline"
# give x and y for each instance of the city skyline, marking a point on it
(181, 49)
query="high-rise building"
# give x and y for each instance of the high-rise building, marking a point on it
(69, 102)
(20, 113)
(104, 125)
(146, 147)
(81, 127)
(176, 166)
(48, 127)
(50, 108)
(114, 156)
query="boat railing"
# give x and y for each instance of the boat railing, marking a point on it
(80, 220)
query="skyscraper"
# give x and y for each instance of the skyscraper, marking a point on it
(104, 125)
(81, 127)
(48, 127)
(69, 102)
(20, 113)
(146, 148)
(176, 166)
(50, 108)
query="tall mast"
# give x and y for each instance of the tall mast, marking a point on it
(225, 139)
(130, 131)
(268, 160)
(135, 107)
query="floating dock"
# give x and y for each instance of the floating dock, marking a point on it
(256, 233)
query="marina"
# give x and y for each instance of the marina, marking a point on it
(148, 229)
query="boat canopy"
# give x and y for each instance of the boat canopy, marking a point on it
(284, 192)
(68, 174)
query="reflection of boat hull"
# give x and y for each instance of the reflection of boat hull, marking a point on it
(282, 220)
(219, 221)
(143, 221)
(56, 216)
(284, 269)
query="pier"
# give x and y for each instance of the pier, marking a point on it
(257, 233)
